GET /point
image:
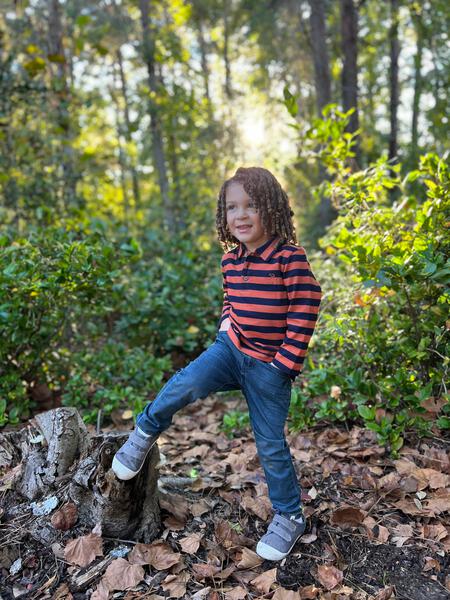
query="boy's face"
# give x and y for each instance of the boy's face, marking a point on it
(243, 218)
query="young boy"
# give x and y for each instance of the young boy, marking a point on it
(271, 304)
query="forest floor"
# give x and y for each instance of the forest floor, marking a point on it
(378, 528)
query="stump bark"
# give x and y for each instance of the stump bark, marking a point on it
(55, 460)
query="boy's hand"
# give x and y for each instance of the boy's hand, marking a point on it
(225, 324)
(275, 366)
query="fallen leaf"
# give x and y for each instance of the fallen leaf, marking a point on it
(175, 504)
(176, 584)
(102, 592)
(191, 543)
(347, 517)
(284, 594)
(259, 506)
(329, 576)
(385, 594)
(159, 555)
(309, 592)
(225, 535)
(121, 575)
(237, 593)
(264, 581)
(65, 518)
(431, 563)
(205, 570)
(249, 559)
(200, 508)
(83, 550)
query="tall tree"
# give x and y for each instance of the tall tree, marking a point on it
(418, 81)
(394, 50)
(148, 38)
(320, 54)
(349, 47)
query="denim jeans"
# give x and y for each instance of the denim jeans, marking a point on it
(267, 390)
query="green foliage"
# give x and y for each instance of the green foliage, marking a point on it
(383, 336)
(111, 377)
(51, 282)
(234, 421)
(171, 299)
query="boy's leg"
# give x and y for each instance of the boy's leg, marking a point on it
(213, 371)
(268, 394)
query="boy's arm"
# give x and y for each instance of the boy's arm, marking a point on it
(226, 303)
(304, 293)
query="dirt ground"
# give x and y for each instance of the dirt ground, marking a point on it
(378, 528)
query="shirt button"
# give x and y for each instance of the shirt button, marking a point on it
(245, 277)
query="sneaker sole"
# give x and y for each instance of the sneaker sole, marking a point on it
(268, 553)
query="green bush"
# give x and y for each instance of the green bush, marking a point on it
(113, 377)
(382, 337)
(51, 282)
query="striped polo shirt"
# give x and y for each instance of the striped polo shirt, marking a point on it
(272, 299)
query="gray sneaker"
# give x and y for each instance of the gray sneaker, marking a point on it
(281, 536)
(130, 457)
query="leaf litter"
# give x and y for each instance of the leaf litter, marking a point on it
(378, 528)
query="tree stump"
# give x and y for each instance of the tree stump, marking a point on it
(54, 460)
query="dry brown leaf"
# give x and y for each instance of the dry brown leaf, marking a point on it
(284, 594)
(83, 550)
(174, 524)
(204, 570)
(385, 594)
(308, 538)
(347, 517)
(237, 593)
(249, 559)
(65, 518)
(225, 573)
(200, 508)
(431, 563)
(259, 506)
(102, 591)
(447, 582)
(175, 504)
(264, 581)
(159, 555)
(191, 543)
(309, 592)
(329, 576)
(176, 584)
(225, 535)
(121, 575)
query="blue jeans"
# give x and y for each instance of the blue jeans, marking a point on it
(267, 390)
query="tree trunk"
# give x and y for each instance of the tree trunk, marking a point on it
(126, 114)
(62, 93)
(155, 121)
(393, 80)
(226, 58)
(205, 66)
(58, 462)
(327, 212)
(320, 54)
(349, 43)
(414, 152)
(122, 158)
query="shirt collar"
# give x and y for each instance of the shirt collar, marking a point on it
(265, 251)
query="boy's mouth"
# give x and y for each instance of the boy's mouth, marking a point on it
(243, 228)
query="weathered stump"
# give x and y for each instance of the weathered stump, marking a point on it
(54, 460)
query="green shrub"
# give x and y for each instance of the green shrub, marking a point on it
(113, 377)
(382, 337)
(51, 282)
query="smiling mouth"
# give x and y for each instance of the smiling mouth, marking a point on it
(243, 228)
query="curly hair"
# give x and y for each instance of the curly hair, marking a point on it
(273, 205)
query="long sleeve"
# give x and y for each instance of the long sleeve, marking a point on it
(226, 304)
(304, 294)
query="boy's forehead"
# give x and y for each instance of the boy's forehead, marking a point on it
(235, 191)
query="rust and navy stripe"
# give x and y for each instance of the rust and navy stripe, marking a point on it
(272, 299)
